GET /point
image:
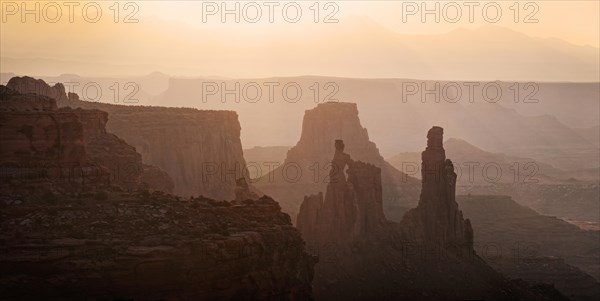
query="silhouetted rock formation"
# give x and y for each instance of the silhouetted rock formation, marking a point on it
(73, 143)
(428, 256)
(306, 167)
(200, 150)
(437, 218)
(30, 85)
(151, 247)
(68, 241)
(351, 208)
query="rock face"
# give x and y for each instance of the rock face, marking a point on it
(121, 159)
(437, 217)
(243, 192)
(73, 140)
(200, 150)
(40, 132)
(45, 144)
(352, 208)
(428, 256)
(151, 247)
(30, 85)
(111, 243)
(307, 165)
(156, 179)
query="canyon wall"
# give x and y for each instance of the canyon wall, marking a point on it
(68, 240)
(200, 150)
(44, 145)
(73, 143)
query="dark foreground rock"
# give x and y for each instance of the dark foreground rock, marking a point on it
(150, 247)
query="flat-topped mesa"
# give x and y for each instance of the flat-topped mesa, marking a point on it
(352, 208)
(327, 121)
(437, 219)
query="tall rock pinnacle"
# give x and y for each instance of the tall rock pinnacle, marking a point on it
(437, 217)
(352, 208)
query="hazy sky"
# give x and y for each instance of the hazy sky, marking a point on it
(305, 37)
(573, 21)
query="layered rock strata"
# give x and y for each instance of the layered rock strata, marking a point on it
(73, 143)
(200, 150)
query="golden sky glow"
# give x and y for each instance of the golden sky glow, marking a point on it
(573, 21)
(182, 38)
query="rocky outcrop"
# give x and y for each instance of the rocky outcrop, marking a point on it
(243, 192)
(200, 150)
(73, 143)
(428, 256)
(34, 129)
(121, 159)
(108, 150)
(151, 247)
(437, 218)
(307, 165)
(352, 208)
(44, 144)
(156, 179)
(12, 100)
(30, 85)
(113, 243)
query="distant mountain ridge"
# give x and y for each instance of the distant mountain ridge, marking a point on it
(465, 155)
